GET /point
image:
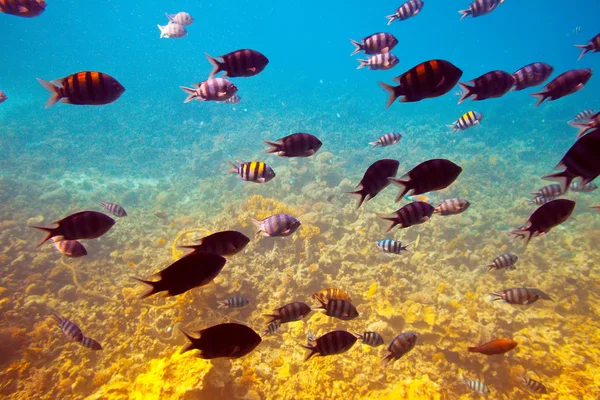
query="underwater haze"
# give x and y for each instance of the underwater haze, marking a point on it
(166, 163)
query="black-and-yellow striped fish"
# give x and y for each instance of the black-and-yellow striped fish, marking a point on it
(83, 88)
(466, 121)
(23, 8)
(253, 171)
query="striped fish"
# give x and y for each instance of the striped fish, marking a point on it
(583, 116)
(533, 385)
(387, 140)
(338, 308)
(376, 43)
(532, 75)
(295, 145)
(544, 218)
(23, 8)
(466, 121)
(479, 8)
(277, 225)
(400, 345)
(383, 61)
(452, 206)
(290, 312)
(549, 191)
(585, 126)
(234, 302)
(335, 342)
(476, 386)
(213, 89)
(114, 209)
(576, 186)
(83, 88)
(181, 18)
(522, 296)
(272, 327)
(565, 84)
(238, 63)
(504, 261)
(81, 225)
(233, 99)
(392, 246)
(593, 46)
(252, 171)
(327, 294)
(69, 328)
(406, 10)
(490, 85)
(90, 343)
(372, 339)
(172, 31)
(70, 248)
(436, 174)
(540, 200)
(3, 97)
(414, 213)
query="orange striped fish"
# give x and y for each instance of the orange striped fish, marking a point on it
(23, 8)
(83, 88)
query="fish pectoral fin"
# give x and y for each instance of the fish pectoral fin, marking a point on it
(441, 82)
(252, 69)
(23, 9)
(236, 350)
(65, 100)
(578, 87)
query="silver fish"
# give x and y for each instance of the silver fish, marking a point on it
(172, 31)
(277, 225)
(234, 302)
(181, 18)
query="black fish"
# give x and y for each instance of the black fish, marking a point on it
(114, 209)
(290, 312)
(372, 339)
(414, 213)
(90, 343)
(376, 43)
(225, 243)
(295, 145)
(339, 308)
(335, 342)
(191, 271)
(69, 328)
(593, 46)
(545, 218)
(228, 340)
(238, 63)
(402, 344)
(532, 75)
(82, 225)
(375, 179)
(522, 296)
(428, 176)
(23, 8)
(566, 83)
(489, 85)
(83, 88)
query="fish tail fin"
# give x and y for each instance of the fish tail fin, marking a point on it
(586, 48)
(50, 233)
(403, 185)
(386, 360)
(162, 31)
(541, 96)
(360, 194)
(467, 91)
(452, 126)
(582, 127)
(258, 224)
(222, 303)
(391, 18)
(391, 219)
(375, 144)
(233, 169)
(57, 317)
(313, 351)
(464, 13)
(473, 349)
(358, 48)
(523, 234)
(409, 244)
(393, 92)
(191, 93)
(189, 346)
(362, 63)
(274, 317)
(217, 66)
(154, 287)
(275, 147)
(55, 95)
(563, 178)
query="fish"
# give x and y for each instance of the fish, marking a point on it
(272, 327)
(239, 63)
(213, 89)
(533, 385)
(521, 296)
(295, 145)
(533, 74)
(479, 8)
(563, 85)
(593, 46)
(161, 214)
(181, 18)
(234, 302)
(338, 308)
(189, 272)
(114, 209)
(81, 225)
(504, 261)
(90, 343)
(549, 191)
(277, 225)
(233, 99)
(392, 246)
(375, 179)
(335, 342)
(88, 88)
(585, 126)
(172, 31)
(23, 8)
(290, 312)
(544, 218)
(69, 328)
(456, 205)
(578, 187)
(310, 337)
(324, 295)
(498, 346)
(3, 97)
(415, 213)
(540, 200)
(476, 386)
(490, 85)
(70, 248)
(229, 340)
(387, 140)
(372, 339)
(466, 121)
(383, 61)
(429, 79)
(225, 243)
(399, 346)
(252, 171)
(597, 208)
(428, 176)
(376, 43)
(583, 116)
(409, 9)
(418, 197)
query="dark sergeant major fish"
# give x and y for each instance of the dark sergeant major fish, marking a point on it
(498, 346)
(435, 174)
(544, 218)
(290, 312)
(531, 75)
(81, 225)
(23, 8)
(392, 246)
(533, 385)
(339, 308)
(479, 8)
(415, 213)
(399, 346)
(114, 209)
(375, 179)
(576, 186)
(234, 302)
(466, 121)
(563, 85)
(229, 340)
(549, 191)
(324, 295)
(213, 89)
(521, 296)
(74, 333)
(490, 85)
(181, 18)
(172, 31)
(277, 225)
(295, 145)
(372, 339)
(335, 342)
(387, 140)
(3, 97)
(252, 171)
(239, 63)
(376, 43)
(225, 243)
(87, 88)
(586, 126)
(593, 46)
(70, 248)
(383, 61)
(476, 386)
(409, 9)
(189, 272)
(453, 206)
(503, 261)
(429, 79)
